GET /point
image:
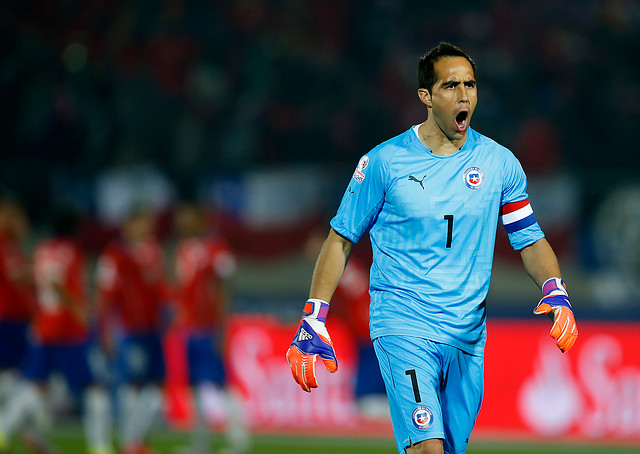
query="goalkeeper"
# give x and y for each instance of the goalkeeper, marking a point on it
(431, 199)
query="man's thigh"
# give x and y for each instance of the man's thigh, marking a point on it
(140, 359)
(411, 372)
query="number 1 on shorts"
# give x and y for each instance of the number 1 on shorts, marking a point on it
(414, 384)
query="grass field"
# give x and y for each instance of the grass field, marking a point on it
(69, 440)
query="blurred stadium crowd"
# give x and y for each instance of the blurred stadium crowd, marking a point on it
(185, 93)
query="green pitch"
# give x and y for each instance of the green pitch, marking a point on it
(69, 440)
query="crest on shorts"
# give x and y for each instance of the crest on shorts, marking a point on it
(358, 175)
(422, 417)
(473, 177)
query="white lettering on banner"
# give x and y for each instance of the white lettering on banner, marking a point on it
(602, 399)
(272, 398)
(613, 390)
(549, 401)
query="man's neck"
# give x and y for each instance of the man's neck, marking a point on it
(435, 140)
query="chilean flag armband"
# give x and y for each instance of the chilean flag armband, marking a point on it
(517, 215)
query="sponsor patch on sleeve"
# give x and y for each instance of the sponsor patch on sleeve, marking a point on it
(358, 174)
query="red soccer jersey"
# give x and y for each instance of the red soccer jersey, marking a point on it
(132, 284)
(201, 266)
(61, 293)
(15, 300)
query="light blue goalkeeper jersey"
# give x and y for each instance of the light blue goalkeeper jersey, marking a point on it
(432, 224)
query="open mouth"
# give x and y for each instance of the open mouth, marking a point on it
(461, 120)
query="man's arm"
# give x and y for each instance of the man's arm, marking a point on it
(542, 265)
(312, 338)
(330, 266)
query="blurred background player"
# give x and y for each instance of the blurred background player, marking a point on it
(16, 296)
(16, 284)
(203, 264)
(132, 292)
(59, 341)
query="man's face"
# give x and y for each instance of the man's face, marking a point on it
(454, 96)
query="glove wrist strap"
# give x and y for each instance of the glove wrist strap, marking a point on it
(316, 309)
(554, 286)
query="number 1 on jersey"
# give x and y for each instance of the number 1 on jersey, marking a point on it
(449, 219)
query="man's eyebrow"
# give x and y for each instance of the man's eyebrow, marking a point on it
(447, 83)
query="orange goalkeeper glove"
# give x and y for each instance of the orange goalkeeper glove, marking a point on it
(555, 303)
(311, 340)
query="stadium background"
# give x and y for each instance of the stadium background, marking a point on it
(261, 109)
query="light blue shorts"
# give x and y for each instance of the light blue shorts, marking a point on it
(435, 390)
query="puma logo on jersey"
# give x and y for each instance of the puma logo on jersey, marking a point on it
(412, 178)
(304, 336)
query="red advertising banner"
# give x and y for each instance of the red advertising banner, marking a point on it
(259, 370)
(531, 388)
(592, 391)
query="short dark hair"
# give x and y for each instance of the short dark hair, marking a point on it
(426, 71)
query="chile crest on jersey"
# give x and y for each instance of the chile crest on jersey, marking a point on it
(422, 417)
(473, 178)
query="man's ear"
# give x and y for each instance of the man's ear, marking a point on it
(425, 96)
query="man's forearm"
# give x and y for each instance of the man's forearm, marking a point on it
(330, 266)
(540, 262)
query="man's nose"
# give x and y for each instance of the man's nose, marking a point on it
(463, 96)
